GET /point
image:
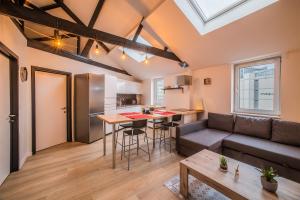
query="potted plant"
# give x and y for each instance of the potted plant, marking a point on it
(267, 179)
(223, 164)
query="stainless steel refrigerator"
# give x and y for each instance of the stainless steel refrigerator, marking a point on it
(89, 102)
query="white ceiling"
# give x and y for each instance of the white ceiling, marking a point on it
(273, 29)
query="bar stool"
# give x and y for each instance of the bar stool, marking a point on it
(156, 124)
(123, 126)
(138, 127)
(167, 126)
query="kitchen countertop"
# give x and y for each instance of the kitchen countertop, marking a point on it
(128, 106)
(187, 111)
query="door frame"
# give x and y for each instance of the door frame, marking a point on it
(14, 105)
(68, 103)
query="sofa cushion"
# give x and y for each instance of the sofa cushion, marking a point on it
(204, 139)
(221, 122)
(286, 132)
(271, 151)
(253, 126)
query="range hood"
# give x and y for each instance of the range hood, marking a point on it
(184, 80)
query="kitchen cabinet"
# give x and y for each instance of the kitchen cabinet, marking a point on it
(110, 86)
(110, 98)
(128, 87)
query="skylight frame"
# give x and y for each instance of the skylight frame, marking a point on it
(243, 10)
(202, 15)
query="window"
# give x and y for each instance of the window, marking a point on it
(257, 86)
(158, 93)
(209, 15)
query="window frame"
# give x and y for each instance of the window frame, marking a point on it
(155, 102)
(277, 79)
(206, 19)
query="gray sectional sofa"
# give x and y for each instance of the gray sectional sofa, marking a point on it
(254, 140)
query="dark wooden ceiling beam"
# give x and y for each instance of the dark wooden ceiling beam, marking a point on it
(20, 26)
(91, 24)
(69, 12)
(44, 47)
(50, 7)
(31, 5)
(138, 31)
(42, 18)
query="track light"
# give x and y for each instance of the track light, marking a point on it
(183, 64)
(97, 51)
(123, 54)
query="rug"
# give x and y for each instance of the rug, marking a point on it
(197, 189)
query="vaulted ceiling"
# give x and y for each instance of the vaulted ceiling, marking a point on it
(274, 29)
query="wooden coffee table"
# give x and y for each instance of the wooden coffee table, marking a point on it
(205, 167)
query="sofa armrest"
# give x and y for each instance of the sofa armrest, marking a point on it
(190, 127)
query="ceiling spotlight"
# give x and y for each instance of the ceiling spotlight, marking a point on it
(183, 64)
(123, 54)
(97, 51)
(146, 60)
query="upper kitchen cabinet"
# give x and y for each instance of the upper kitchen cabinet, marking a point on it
(110, 86)
(128, 87)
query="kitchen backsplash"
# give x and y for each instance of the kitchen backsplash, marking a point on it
(128, 99)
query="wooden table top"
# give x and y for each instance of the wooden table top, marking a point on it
(117, 118)
(247, 184)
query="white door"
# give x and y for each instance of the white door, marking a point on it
(50, 98)
(4, 123)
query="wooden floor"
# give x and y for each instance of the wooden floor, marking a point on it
(79, 171)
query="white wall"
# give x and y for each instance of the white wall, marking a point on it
(28, 57)
(173, 98)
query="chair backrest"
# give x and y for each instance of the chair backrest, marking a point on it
(139, 124)
(176, 118)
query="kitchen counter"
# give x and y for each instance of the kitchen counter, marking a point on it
(128, 106)
(184, 111)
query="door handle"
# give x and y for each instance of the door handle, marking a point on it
(10, 118)
(63, 108)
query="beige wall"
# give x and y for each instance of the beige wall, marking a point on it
(290, 86)
(13, 39)
(216, 97)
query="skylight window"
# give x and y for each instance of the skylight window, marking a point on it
(208, 10)
(137, 55)
(209, 15)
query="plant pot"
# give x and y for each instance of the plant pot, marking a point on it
(223, 169)
(269, 186)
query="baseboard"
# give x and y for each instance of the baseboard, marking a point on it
(23, 160)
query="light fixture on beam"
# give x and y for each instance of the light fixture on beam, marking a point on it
(57, 39)
(123, 56)
(97, 51)
(146, 61)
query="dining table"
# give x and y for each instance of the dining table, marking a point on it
(114, 119)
